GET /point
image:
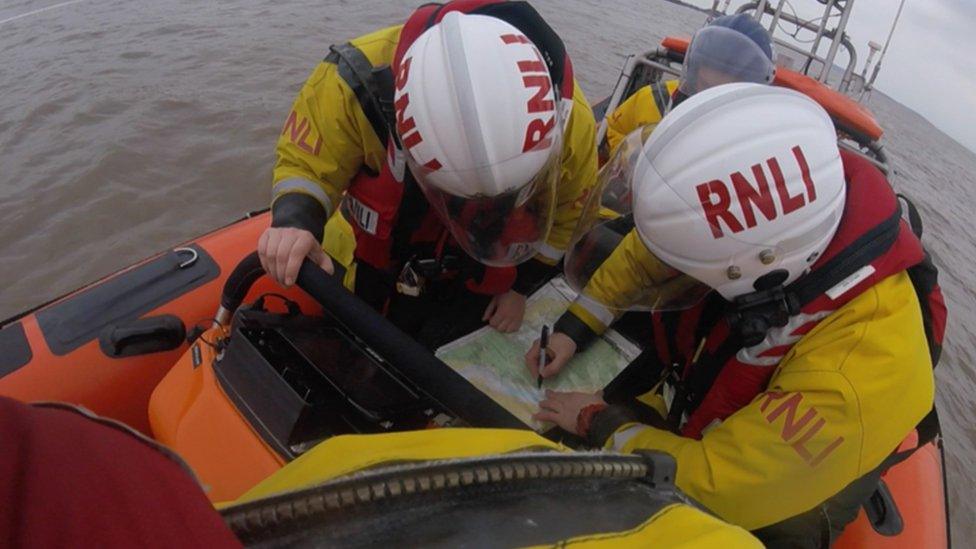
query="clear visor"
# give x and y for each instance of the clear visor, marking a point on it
(598, 249)
(719, 55)
(502, 229)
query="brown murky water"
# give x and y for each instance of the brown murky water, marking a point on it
(129, 126)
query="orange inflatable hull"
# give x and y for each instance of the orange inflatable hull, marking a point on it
(190, 412)
(120, 387)
(917, 488)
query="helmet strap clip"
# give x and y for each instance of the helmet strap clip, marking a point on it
(754, 314)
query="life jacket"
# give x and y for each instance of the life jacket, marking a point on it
(389, 215)
(872, 242)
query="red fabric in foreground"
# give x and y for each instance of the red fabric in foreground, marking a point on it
(69, 481)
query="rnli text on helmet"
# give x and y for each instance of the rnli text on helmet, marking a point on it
(716, 198)
(407, 127)
(537, 132)
(535, 76)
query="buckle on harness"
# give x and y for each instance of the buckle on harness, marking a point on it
(409, 282)
(754, 314)
(433, 268)
(416, 272)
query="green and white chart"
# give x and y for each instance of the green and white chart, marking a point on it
(495, 362)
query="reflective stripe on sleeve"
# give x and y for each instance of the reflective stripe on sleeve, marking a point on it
(298, 184)
(623, 436)
(603, 314)
(551, 252)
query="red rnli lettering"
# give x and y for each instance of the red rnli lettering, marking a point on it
(768, 397)
(514, 39)
(406, 127)
(532, 66)
(793, 429)
(537, 134)
(403, 74)
(716, 197)
(829, 449)
(537, 131)
(800, 445)
(805, 172)
(294, 126)
(719, 209)
(790, 425)
(539, 101)
(298, 132)
(750, 196)
(790, 203)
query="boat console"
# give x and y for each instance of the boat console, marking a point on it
(265, 386)
(299, 380)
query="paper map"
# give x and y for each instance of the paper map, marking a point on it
(495, 362)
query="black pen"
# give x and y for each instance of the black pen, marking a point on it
(543, 357)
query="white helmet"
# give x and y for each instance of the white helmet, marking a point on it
(738, 182)
(479, 119)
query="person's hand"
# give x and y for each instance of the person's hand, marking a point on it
(563, 408)
(505, 311)
(561, 348)
(282, 250)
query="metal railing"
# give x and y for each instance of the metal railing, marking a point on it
(836, 36)
(649, 67)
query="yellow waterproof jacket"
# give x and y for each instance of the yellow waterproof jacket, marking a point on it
(646, 107)
(675, 525)
(838, 404)
(616, 284)
(327, 139)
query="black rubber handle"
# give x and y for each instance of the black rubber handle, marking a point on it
(410, 358)
(142, 336)
(240, 281)
(882, 512)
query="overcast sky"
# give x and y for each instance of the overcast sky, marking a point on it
(936, 38)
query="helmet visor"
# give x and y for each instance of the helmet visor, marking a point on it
(607, 242)
(503, 229)
(719, 55)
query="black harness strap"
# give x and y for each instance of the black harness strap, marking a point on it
(914, 218)
(669, 322)
(373, 87)
(925, 277)
(863, 251)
